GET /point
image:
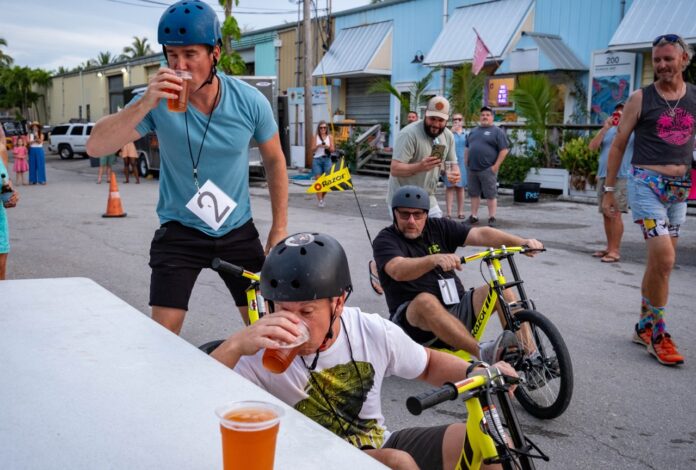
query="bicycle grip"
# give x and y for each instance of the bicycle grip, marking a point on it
(220, 265)
(425, 400)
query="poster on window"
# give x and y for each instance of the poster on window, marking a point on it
(613, 74)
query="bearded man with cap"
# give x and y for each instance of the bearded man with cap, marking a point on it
(203, 206)
(413, 162)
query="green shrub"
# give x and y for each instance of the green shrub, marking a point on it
(580, 161)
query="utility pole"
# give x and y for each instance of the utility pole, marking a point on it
(307, 25)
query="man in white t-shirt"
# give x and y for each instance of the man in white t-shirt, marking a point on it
(336, 379)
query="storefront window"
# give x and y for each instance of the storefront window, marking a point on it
(500, 92)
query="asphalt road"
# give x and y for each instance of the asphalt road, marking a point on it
(627, 411)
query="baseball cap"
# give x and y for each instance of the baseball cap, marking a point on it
(439, 107)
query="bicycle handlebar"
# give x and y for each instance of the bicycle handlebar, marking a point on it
(499, 252)
(425, 400)
(450, 391)
(220, 265)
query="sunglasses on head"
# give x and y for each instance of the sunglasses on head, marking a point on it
(671, 38)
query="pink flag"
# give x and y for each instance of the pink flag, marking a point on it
(480, 54)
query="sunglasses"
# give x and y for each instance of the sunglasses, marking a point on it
(456, 119)
(405, 215)
(671, 38)
(323, 127)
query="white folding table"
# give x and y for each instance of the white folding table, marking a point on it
(88, 382)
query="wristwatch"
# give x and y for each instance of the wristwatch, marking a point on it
(609, 189)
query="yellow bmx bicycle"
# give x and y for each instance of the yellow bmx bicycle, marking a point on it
(545, 365)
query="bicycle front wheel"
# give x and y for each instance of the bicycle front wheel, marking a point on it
(545, 366)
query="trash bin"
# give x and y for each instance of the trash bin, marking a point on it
(526, 192)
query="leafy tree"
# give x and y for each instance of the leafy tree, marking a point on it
(17, 93)
(416, 91)
(105, 58)
(230, 61)
(139, 48)
(466, 92)
(535, 100)
(5, 60)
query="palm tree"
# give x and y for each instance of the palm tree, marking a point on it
(535, 100)
(5, 60)
(416, 91)
(42, 81)
(105, 58)
(139, 48)
(466, 92)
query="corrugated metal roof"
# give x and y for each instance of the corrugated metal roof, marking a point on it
(353, 50)
(647, 19)
(496, 21)
(558, 53)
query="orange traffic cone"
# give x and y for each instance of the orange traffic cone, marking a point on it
(113, 204)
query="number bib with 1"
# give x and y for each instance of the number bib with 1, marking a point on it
(211, 205)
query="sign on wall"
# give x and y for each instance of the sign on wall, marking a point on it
(613, 75)
(499, 93)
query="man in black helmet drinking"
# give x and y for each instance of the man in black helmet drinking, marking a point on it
(337, 377)
(203, 206)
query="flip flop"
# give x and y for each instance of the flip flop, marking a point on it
(600, 254)
(374, 278)
(610, 259)
(461, 216)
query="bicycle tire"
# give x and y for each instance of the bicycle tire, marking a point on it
(211, 346)
(548, 386)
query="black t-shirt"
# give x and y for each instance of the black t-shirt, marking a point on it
(439, 236)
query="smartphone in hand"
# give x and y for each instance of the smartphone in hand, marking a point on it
(438, 151)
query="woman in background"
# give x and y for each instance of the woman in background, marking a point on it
(37, 157)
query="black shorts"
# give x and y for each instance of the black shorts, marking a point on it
(423, 444)
(178, 253)
(464, 311)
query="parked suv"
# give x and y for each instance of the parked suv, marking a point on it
(69, 139)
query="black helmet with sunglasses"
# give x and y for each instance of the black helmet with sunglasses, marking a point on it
(411, 197)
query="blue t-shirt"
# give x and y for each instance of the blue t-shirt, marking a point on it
(242, 113)
(625, 168)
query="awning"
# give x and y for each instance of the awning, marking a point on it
(538, 52)
(359, 51)
(497, 22)
(647, 19)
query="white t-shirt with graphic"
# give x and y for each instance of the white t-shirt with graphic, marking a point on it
(379, 349)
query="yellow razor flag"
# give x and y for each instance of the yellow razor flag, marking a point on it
(338, 179)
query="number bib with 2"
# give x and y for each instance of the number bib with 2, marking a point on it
(211, 205)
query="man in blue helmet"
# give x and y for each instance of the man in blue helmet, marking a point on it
(336, 379)
(203, 203)
(417, 267)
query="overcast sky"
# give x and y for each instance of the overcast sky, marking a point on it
(51, 33)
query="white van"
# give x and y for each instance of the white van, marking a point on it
(69, 139)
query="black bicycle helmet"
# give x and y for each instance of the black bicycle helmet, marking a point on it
(305, 266)
(189, 22)
(411, 197)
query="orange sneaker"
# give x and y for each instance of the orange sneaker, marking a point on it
(665, 351)
(642, 336)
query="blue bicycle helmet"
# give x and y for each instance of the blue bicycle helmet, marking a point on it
(189, 22)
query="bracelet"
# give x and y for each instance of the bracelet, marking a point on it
(609, 189)
(473, 366)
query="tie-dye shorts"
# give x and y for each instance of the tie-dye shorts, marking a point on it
(652, 195)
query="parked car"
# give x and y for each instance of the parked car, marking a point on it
(69, 139)
(13, 129)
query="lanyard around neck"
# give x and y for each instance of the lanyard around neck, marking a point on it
(205, 133)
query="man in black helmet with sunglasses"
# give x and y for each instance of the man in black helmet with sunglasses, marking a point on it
(337, 377)
(203, 207)
(663, 117)
(417, 267)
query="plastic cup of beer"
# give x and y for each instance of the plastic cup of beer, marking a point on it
(249, 430)
(278, 359)
(179, 104)
(449, 171)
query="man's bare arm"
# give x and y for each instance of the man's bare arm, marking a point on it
(277, 176)
(629, 119)
(112, 132)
